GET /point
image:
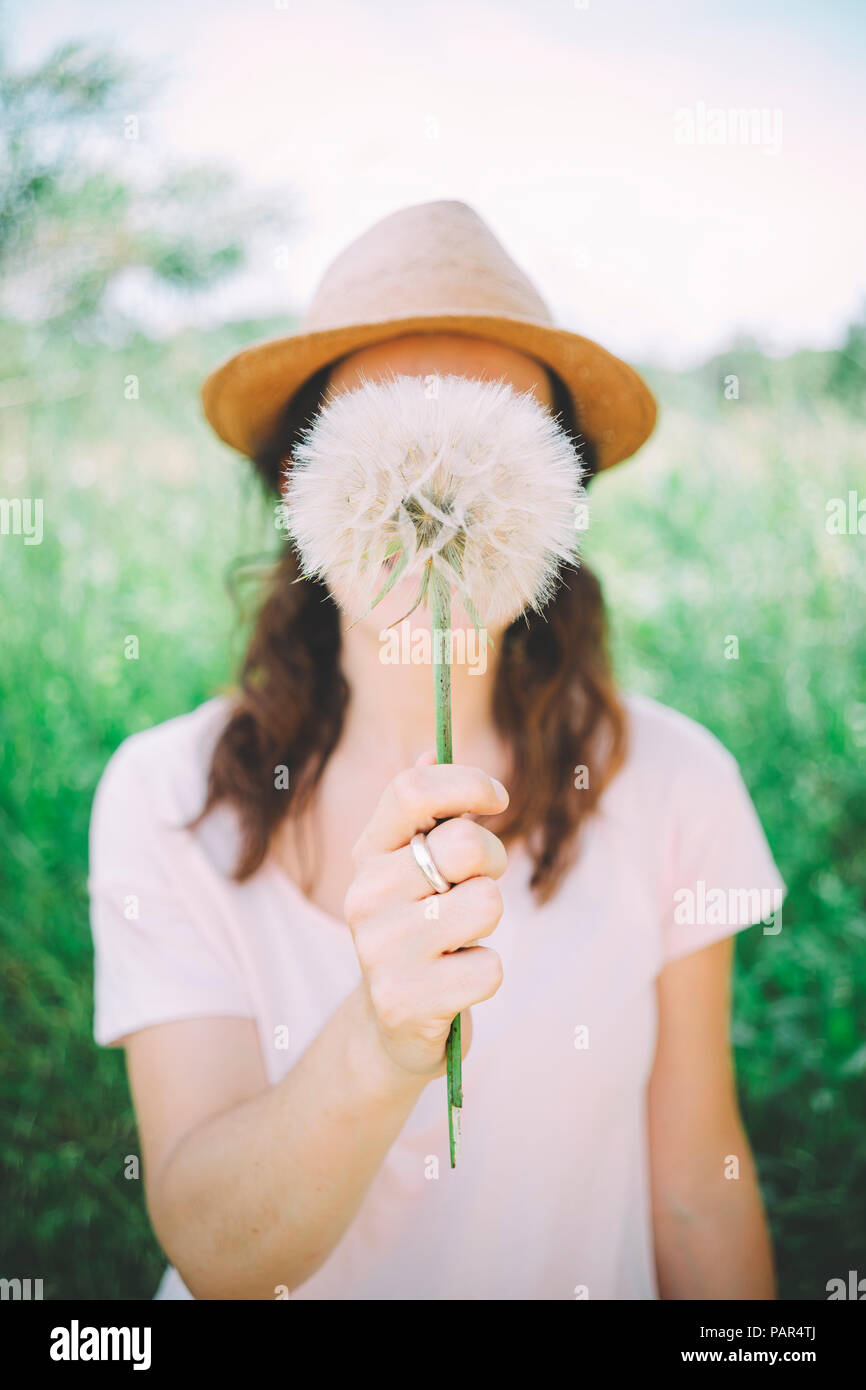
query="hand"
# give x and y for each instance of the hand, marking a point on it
(412, 943)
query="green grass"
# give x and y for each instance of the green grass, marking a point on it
(718, 529)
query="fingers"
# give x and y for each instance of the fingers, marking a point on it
(416, 798)
(461, 850)
(468, 977)
(418, 949)
(436, 995)
(403, 935)
(454, 920)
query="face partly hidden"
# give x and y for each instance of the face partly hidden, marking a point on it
(440, 354)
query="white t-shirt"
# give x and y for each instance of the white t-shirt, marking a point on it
(550, 1195)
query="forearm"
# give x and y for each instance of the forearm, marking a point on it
(711, 1234)
(259, 1196)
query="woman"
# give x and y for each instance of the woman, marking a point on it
(266, 948)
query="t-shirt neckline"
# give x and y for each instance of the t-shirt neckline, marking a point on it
(288, 886)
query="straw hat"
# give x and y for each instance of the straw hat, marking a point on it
(433, 267)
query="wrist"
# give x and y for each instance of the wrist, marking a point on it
(373, 1070)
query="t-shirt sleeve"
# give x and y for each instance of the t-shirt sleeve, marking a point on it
(156, 958)
(722, 876)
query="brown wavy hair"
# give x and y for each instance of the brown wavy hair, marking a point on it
(554, 701)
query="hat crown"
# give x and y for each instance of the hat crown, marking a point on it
(426, 259)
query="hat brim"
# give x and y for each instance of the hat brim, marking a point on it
(245, 398)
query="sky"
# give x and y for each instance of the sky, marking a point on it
(598, 138)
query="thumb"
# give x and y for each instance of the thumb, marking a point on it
(426, 759)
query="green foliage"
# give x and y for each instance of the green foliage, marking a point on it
(142, 511)
(80, 205)
(718, 529)
(848, 374)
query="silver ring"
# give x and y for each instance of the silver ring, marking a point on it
(426, 863)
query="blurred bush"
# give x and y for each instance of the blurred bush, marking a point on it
(86, 204)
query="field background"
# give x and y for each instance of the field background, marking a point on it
(718, 529)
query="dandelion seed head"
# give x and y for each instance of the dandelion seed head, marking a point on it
(474, 480)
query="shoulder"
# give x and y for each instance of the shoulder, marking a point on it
(715, 871)
(665, 744)
(165, 766)
(689, 788)
(677, 774)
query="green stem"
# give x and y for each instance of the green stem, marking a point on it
(440, 622)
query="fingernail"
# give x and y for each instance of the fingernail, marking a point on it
(499, 789)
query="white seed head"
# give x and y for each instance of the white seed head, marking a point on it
(476, 481)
